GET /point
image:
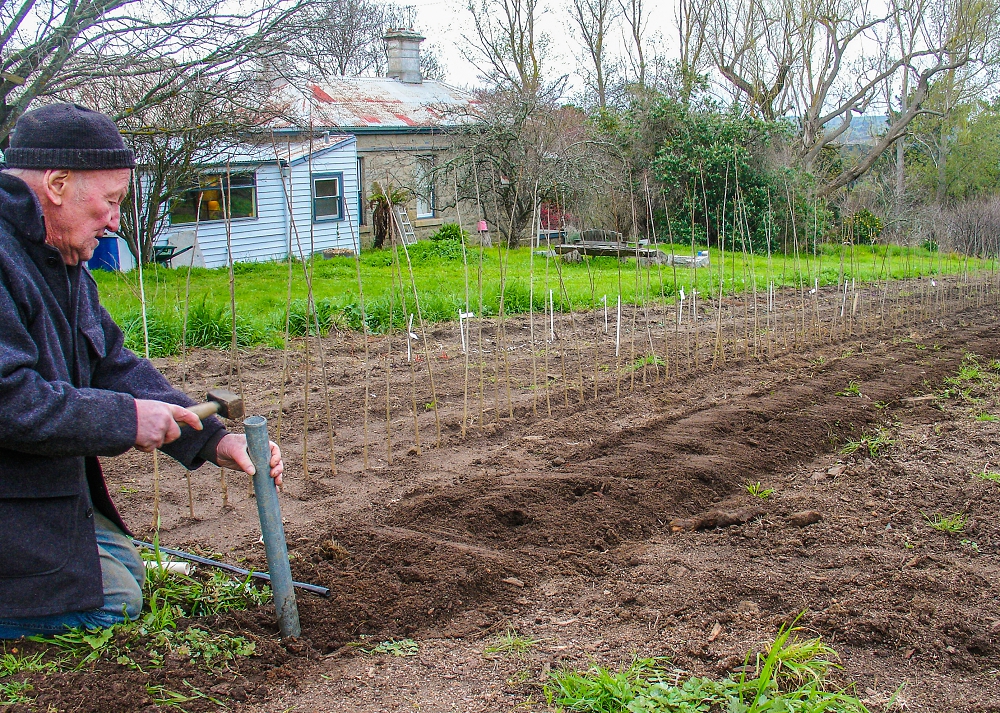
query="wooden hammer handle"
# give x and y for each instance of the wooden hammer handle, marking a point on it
(203, 411)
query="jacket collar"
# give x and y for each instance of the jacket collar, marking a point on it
(20, 208)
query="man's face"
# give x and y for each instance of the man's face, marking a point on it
(88, 206)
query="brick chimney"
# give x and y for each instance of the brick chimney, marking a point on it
(403, 50)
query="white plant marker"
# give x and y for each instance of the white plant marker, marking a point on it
(463, 324)
(680, 310)
(409, 332)
(605, 301)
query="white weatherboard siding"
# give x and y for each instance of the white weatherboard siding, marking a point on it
(325, 234)
(266, 237)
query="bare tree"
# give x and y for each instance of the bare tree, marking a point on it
(201, 122)
(690, 23)
(830, 60)
(633, 12)
(753, 45)
(506, 46)
(346, 38)
(57, 46)
(944, 36)
(594, 20)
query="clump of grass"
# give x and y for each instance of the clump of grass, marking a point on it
(212, 327)
(14, 692)
(988, 475)
(644, 361)
(950, 524)
(872, 443)
(13, 664)
(512, 643)
(792, 676)
(986, 417)
(164, 334)
(853, 388)
(759, 491)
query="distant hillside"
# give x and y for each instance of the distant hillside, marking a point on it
(863, 130)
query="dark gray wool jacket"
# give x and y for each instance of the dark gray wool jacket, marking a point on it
(67, 395)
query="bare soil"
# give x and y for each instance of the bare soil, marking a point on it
(604, 529)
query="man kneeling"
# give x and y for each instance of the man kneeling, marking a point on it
(69, 389)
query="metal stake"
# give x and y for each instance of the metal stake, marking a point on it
(271, 528)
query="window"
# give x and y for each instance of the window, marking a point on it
(328, 196)
(214, 191)
(425, 186)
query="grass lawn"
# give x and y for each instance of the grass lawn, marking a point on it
(440, 275)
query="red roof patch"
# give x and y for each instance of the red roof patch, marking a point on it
(321, 95)
(406, 120)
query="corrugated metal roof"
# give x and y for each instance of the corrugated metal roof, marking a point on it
(347, 103)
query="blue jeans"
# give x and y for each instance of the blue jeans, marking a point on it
(122, 572)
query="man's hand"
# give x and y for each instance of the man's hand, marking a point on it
(232, 453)
(158, 423)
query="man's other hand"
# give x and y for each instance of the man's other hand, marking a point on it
(232, 453)
(158, 423)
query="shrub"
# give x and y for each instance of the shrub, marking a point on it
(864, 227)
(434, 251)
(450, 231)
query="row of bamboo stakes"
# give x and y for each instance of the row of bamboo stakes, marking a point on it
(665, 337)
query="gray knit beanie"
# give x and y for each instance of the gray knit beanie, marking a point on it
(67, 136)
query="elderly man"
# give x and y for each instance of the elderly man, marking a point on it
(69, 390)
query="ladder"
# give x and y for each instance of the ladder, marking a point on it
(404, 226)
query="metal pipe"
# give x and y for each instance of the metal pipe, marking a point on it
(313, 588)
(271, 528)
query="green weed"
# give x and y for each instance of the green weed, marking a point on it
(511, 643)
(13, 692)
(792, 676)
(950, 524)
(759, 491)
(162, 696)
(852, 389)
(989, 475)
(169, 598)
(987, 417)
(392, 647)
(644, 361)
(872, 443)
(12, 664)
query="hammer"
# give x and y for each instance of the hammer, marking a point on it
(220, 401)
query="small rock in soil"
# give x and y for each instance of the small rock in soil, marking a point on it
(805, 518)
(513, 581)
(716, 630)
(558, 460)
(836, 470)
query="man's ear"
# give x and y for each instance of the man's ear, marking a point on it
(55, 184)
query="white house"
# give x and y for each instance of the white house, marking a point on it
(318, 179)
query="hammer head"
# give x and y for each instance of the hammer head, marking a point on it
(230, 404)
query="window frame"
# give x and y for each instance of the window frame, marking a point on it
(429, 161)
(325, 176)
(202, 186)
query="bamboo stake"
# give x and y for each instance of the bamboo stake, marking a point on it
(536, 224)
(139, 243)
